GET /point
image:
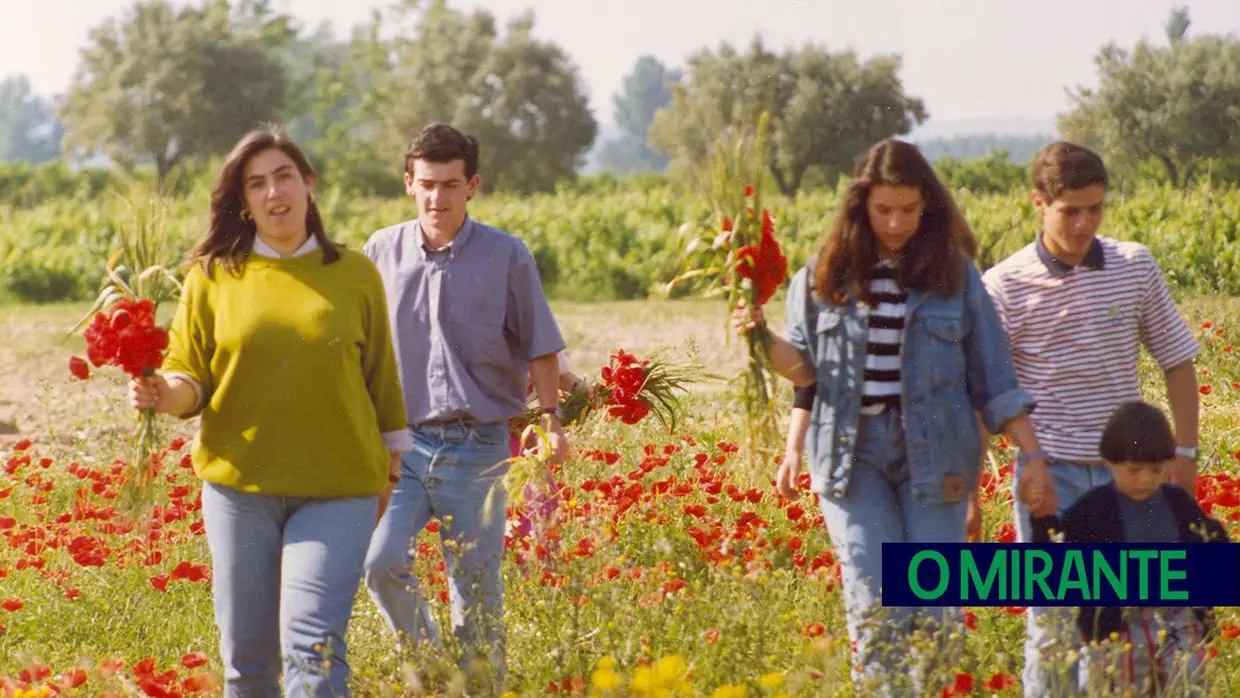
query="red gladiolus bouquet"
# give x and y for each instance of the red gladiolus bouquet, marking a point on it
(740, 259)
(123, 331)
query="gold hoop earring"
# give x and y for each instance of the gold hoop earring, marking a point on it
(245, 215)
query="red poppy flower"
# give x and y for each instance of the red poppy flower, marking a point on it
(79, 368)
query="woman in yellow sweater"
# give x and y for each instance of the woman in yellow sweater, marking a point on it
(281, 342)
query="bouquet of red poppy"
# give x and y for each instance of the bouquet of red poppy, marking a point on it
(736, 255)
(630, 390)
(121, 330)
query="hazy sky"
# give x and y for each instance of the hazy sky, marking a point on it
(972, 61)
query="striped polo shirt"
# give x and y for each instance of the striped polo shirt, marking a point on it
(1076, 333)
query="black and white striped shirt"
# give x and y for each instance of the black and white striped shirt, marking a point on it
(886, 340)
(883, 349)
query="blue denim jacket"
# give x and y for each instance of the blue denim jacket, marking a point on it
(955, 361)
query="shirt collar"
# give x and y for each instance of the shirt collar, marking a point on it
(1094, 259)
(262, 249)
(462, 237)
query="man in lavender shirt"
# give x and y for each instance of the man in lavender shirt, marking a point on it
(469, 319)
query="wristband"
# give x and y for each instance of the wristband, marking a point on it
(1034, 455)
(1186, 451)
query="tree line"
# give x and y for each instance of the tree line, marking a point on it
(162, 88)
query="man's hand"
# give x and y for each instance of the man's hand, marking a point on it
(557, 440)
(1183, 473)
(1036, 488)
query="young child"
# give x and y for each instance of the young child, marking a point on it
(1165, 645)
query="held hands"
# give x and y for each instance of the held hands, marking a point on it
(1036, 488)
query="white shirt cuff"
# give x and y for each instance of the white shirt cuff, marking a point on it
(400, 441)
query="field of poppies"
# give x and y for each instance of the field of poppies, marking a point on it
(670, 570)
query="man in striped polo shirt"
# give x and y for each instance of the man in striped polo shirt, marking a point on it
(1077, 307)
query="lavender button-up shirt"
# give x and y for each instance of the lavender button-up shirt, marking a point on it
(466, 320)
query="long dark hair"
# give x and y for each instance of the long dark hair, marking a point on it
(230, 239)
(934, 258)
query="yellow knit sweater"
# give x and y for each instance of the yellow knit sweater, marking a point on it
(297, 364)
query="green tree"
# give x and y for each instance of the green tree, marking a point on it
(341, 123)
(645, 91)
(1179, 104)
(825, 108)
(166, 86)
(519, 96)
(29, 129)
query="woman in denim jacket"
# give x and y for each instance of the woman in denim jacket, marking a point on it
(892, 328)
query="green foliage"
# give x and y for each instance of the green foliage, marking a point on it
(825, 108)
(604, 238)
(520, 96)
(163, 85)
(1178, 104)
(645, 91)
(995, 173)
(1019, 149)
(23, 184)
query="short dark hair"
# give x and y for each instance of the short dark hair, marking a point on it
(442, 143)
(1138, 432)
(1064, 166)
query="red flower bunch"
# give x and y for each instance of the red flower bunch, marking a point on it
(763, 264)
(126, 336)
(623, 380)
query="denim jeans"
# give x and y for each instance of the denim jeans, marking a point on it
(285, 574)
(1053, 629)
(447, 475)
(877, 507)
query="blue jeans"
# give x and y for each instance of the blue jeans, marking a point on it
(879, 507)
(285, 572)
(1047, 627)
(447, 475)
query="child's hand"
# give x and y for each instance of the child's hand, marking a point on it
(786, 478)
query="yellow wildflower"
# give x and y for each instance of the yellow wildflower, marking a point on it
(774, 679)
